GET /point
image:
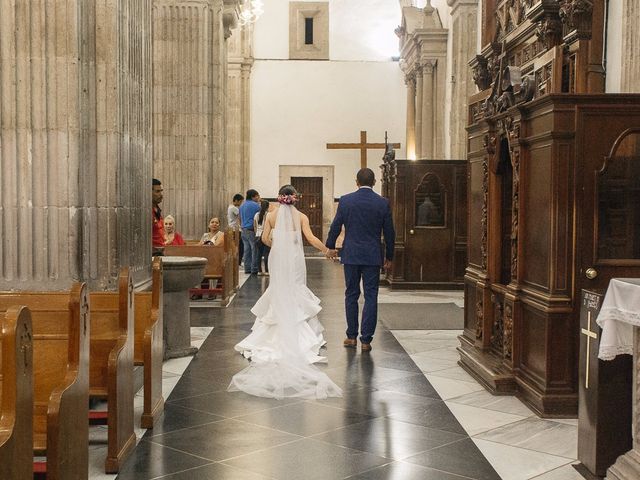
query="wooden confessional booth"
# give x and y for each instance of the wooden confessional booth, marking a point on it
(553, 200)
(429, 203)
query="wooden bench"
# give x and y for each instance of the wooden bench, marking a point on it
(16, 395)
(111, 369)
(148, 345)
(61, 326)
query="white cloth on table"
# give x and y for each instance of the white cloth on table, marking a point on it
(620, 312)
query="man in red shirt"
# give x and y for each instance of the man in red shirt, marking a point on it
(157, 232)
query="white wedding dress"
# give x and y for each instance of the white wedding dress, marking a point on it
(286, 337)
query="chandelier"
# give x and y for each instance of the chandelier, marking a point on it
(250, 11)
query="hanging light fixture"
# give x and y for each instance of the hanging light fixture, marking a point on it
(251, 11)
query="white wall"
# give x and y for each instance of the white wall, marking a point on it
(298, 106)
(614, 48)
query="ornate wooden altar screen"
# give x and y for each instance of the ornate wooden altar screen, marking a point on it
(539, 130)
(429, 203)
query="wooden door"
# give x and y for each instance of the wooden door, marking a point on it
(310, 203)
(609, 231)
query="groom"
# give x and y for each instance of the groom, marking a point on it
(365, 215)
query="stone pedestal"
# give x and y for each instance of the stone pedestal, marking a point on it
(180, 274)
(75, 143)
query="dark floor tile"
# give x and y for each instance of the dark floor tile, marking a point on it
(462, 458)
(150, 460)
(231, 404)
(175, 417)
(308, 459)
(223, 440)
(405, 471)
(414, 385)
(216, 471)
(432, 414)
(389, 438)
(191, 385)
(304, 418)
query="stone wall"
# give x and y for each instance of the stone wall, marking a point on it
(75, 137)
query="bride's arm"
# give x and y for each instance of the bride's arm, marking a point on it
(308, 234)
(266, 233)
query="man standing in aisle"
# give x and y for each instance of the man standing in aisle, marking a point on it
(247, 211)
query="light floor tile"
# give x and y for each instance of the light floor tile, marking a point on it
(498, 403)
(514, 463)
(537, 434)
(176, 365)
(448, 388)
(566, 472)
(448, 353)
(478, 420)
(200, 332)
(455, 373)
(429, 364)
(96, 464)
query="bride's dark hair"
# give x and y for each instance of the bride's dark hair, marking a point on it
(288, 195)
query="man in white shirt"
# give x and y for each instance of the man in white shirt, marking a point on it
(233, 220)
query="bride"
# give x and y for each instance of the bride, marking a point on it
(287, 336)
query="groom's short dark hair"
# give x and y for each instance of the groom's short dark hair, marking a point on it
(366, 177)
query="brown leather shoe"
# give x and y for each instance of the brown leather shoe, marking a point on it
(350, 342)
(365, 347)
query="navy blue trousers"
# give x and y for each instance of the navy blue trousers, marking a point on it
(370, 276)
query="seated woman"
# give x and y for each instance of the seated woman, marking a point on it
(171, 237)
(214, 236)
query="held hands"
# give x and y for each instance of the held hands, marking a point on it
(331, 254)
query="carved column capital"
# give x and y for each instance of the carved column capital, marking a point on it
(428, 66)
(576, 14)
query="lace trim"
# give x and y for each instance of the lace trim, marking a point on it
(619, 315)
(609, 352)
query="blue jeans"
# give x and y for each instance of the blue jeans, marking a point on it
(370, 275)
(250, 257)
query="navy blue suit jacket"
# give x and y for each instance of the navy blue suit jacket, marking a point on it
(365, 215)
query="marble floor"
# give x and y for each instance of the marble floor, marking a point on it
(408, 411)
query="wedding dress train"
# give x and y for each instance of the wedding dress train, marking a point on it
(286, 337)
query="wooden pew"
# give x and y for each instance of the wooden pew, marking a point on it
(61, 326)
(111, 372)
(16, 395)
(148, 345)
(222, 261)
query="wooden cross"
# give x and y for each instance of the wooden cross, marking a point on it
(590, 334)
(363, 146)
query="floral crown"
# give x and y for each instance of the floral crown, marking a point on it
(288, 199)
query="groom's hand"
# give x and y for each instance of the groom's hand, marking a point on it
(388, 265)
(332, 254)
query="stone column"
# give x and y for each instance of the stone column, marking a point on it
(464, 23)
(75, 143)
(190, 78)
(428, 133)
(238, 119)
(419, 101)
(630, 47)
(627, 466)
(411, 116)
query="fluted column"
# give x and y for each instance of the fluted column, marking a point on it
(190, 103)
(75, 142)
(238, 119)
(419, 101)
(464, 20)
(411, 117)
(630, 47)
(428, 140)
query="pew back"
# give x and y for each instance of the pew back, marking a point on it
(148, 345)
(16, 394)
(61, 326)
(111, 373)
